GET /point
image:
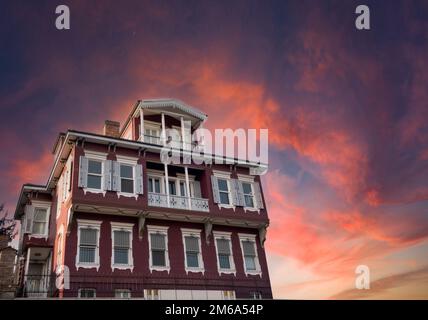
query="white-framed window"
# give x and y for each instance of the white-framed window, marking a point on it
(40, 222)
(158, 248)
(228, 295)
(224, 191)
(127, 177)
(249, 254)
(95, 174)
(88, 242)
(192, 250)
(121, 234)
(223, 245)
(155, 184)
(87, 293)
(122, 293)
(151, 294)
(37, 219)
(248, 194)
(152, 132)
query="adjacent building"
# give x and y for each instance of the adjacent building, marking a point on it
(116, 220)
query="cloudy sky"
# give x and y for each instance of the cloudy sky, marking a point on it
(346, 110)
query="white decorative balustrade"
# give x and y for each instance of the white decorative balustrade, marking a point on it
(177, 202)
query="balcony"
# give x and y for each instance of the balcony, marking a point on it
(172, 143)
(177, 202)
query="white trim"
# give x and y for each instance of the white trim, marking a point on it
(128, 227)
(195, 233)
(221, 174)
(227, 236)
(96, 155)
(92, 224)
(151, 229)
(245, 178)
(127, 160)
(252, 238)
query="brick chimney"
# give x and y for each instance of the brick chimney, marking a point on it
(111, 128)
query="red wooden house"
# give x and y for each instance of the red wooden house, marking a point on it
(115, 221)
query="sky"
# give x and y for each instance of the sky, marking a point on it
(346, 111)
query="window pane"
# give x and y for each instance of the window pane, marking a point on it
(94, 182)
(222, 185)
(121, 256)
(248, 248)
(249, 201)
(172, 189)
(192, 260)
(223, 246)
(126, 171)
(250, 263)
(224, 197)
(40, 214)
(127, 185)
(247, 188)
(88, 237)
(87, 255)
(158, 258)
(182, 189)
(94, 167)
(224, 261)
(150, 184)
(157, 186)
(121, 239)
(192, 244)
(157, 241)
(39, 227)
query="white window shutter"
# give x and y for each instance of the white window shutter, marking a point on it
(83, 172)
(197, 189)
(216, 194)
(116, 176)
(240, 192)
(107, 174)
(139, 179)
(234, 192)
(258, 195)
(29, 218)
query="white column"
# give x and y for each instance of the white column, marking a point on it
(163, 134)
(201, 137)
(188, 187)
(183, 145)
(166, 184)
(141, 125)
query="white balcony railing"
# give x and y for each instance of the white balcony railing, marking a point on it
(177, 202)
(177, 144)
